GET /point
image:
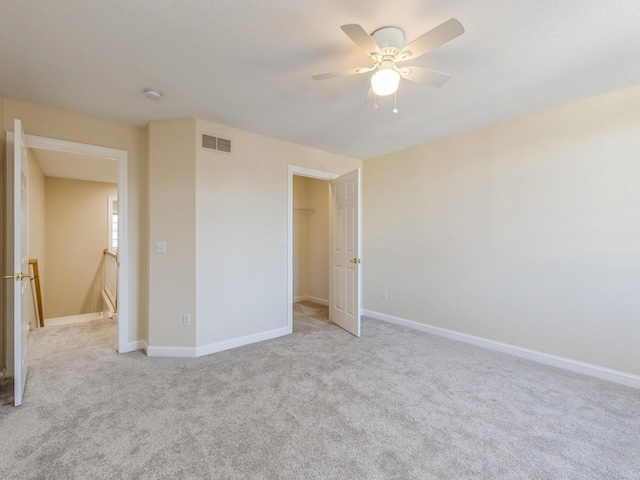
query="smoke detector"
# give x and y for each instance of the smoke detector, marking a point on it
(153, 93)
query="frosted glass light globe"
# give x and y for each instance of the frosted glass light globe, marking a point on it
(385, 82)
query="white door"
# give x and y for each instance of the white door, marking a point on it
(17, 258)
(345, 253)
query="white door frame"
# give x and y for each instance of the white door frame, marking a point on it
(122, 157)
(302, 172)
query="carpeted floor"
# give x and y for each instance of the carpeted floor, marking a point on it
(320, 403)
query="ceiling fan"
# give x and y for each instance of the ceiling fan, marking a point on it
(385, 47)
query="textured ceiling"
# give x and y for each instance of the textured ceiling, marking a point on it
(248, 63)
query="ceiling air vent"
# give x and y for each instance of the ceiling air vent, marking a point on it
(209, 142)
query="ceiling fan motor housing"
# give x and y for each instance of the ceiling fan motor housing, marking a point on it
(389, 38)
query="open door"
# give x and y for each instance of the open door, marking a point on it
(345, 289)
(17, 257)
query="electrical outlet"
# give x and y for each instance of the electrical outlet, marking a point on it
(186, 319)
(384, 295)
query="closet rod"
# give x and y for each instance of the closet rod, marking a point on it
(308, 210)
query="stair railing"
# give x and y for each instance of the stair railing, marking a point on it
(110, 280)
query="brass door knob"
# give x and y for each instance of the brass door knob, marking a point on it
(17, 276)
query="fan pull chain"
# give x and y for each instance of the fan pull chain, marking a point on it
(395, 102)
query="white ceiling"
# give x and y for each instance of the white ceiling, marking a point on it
(75, 166)
(248, 63)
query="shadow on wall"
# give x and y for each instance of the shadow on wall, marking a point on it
(93, 299)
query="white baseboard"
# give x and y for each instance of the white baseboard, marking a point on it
(134, 346)
(72, 319)
(319, 301)
(166, 351)
(577, 366)
(308, 298)
(240, 341)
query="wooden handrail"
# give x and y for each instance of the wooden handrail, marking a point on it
(106, 251)
(110, 295)
(36, 279)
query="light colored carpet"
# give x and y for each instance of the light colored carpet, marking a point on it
(394, 404)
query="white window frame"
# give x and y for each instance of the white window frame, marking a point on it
(110, 225)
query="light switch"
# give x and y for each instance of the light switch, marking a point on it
(161, 247)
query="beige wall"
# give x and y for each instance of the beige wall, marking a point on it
(525, 232)
(248, 213)
(172, 216)
(300, 229)
(35, 228)
(241, 219)
(311, 239)
(318, 195)
(60, 124)
(76, 235)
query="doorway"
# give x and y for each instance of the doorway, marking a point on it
(345, 247)
(69, 225)
(311, 201)
(120, 158)
(305, 173)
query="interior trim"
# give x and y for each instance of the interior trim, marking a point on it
(193, 352)
(603, 373)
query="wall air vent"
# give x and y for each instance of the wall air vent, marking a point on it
(210, 142)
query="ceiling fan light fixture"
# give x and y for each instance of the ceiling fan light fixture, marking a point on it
(385, 47)
(385, 81)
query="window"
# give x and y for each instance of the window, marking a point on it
(112, 219)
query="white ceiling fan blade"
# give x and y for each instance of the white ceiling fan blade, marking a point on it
(440, 35)
(361, 38)
(351, 71)
(424, 75)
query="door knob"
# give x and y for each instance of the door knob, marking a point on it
(355, 260)
(17, 276)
